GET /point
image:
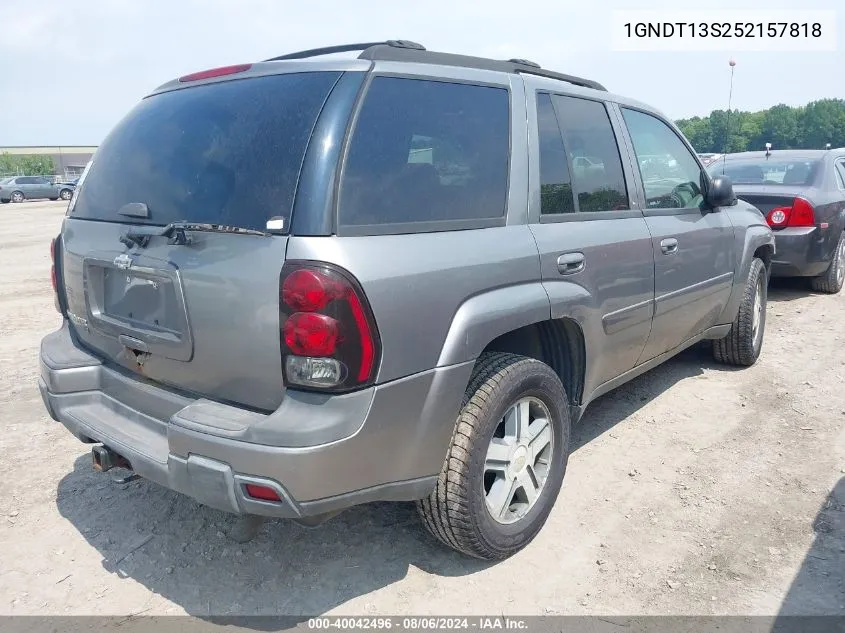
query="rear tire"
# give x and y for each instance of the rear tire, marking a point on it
(17, 196)
(832, 279)
(66, 194)
(743, 343)
(486, 466)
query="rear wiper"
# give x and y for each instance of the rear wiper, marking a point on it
(176, 233)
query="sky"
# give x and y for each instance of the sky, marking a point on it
(70, 70)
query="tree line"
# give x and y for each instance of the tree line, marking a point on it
(812, 126)
(23, 165)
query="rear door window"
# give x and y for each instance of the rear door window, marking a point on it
(597, 174)
(555, 181)
(426, 151)
(222, 153)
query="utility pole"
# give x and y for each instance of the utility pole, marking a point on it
(732, 64)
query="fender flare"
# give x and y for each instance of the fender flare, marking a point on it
(484, 317)
(756, 235)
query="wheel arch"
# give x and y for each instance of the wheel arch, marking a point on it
(758, 242)
(518, 319)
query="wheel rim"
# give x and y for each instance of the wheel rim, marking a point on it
(65, 195)
(840, 265)
(757, 316)
(17, 197)
(518, 460)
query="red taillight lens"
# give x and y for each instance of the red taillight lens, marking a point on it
(778, 216)
(215, 72)
(310, 334)
(308, 291)
(265, 493)
(53, 279)
(802, 213)
(328, 334)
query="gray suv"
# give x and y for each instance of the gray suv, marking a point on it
(294, 286)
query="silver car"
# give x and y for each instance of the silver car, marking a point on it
(20, 188)
(294, 286)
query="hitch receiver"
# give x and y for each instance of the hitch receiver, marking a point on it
(103, 459)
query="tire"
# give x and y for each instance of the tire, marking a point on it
(65, 194)
(53, 199)
(456, 512)
(17, 196)
(833, 278)
(743, 343)
(6, 201)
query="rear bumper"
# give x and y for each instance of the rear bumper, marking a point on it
(321, 453)
(799, 252)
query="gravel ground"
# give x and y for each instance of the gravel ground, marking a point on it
(694, 489)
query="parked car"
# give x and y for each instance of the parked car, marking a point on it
(802, 194)
(20, 188)
(276, 323)
(709, 158)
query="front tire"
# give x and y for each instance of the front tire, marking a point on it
(506, 462)
(832, 280)
(743, 343)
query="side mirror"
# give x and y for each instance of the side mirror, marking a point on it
(720, 193)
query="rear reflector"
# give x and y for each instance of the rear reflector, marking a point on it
(265, 493)
(215, 72)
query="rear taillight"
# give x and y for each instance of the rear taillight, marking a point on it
(801, 213)
(329, 339)
(215, 72)
(54, 275)
(53, 265)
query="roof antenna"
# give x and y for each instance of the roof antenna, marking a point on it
(768, 150)
(731, 63)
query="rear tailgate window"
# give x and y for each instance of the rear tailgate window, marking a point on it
(776, 171)
(224, 153)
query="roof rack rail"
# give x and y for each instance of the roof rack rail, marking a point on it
(381, 52)
(408, 51)
(345, 48)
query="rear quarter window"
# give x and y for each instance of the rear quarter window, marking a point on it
(425, 151)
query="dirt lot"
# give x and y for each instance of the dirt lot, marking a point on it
(692, 490)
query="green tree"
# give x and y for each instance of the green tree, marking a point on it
(781, 127)
(785, 127)
(26, 165)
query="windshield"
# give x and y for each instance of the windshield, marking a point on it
(6, 181)
(225, 153)
(799, 171)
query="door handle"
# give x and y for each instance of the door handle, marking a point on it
(669, 246)
(571, 263)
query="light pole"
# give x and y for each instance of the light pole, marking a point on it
(732, 64)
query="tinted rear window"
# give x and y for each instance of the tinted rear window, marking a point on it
(226, 153)
(776, 171)
(427, 151)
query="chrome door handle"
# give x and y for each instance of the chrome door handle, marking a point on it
(571, 263)
(669, 246)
